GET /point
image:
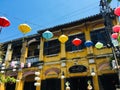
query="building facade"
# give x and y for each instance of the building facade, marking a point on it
(58, 62)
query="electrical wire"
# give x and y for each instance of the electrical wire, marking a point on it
(59, 18)
(72, 13)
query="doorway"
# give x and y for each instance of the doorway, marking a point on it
(108, 81)
(29, 86)
(79, 83)
(29, 83)
(51, 84)
(10, 86)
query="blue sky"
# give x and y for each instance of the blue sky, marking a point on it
(41, 14)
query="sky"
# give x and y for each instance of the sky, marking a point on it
(42, 14)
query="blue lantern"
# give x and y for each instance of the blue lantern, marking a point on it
(88, 43)
(47, 35)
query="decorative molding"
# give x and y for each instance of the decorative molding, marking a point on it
(104, 66)
(77, 69)
(54, 69)
(31, 41)
(11, 73)
(27, 73)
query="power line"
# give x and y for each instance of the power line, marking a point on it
(73, 13)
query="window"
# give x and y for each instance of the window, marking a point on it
(99, 35)
(33, 49)
(51, 47)
(71, 47)
(16, 52)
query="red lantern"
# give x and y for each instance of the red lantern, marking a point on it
(114, 35)
(116, 28)
(77, 41)
(117, 11)
(4, 22)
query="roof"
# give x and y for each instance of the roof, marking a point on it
(72, 23)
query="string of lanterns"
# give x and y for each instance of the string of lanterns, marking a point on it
(116, 28)
(116, 36)
(25, 28)
(63, 39)
(37, 78)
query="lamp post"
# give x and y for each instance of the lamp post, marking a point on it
(107, 13)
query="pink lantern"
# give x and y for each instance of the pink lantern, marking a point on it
(12, 64)
(116, 28)
(77, 42)
(117, 11)
(114, 35)
(22, 65)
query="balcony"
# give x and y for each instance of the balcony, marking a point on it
(34, 60)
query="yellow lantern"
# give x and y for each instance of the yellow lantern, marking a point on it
(63, 38)
(24, 28)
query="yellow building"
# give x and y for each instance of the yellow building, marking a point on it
(42, 64)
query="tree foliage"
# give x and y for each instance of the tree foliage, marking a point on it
(7, 79)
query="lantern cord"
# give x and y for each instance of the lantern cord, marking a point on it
(23, 38)
(0, 29)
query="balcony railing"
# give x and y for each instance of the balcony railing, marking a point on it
(32, 59)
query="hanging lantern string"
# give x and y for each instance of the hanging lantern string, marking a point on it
(23, 39)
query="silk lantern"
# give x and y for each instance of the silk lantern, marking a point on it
(116, 28)
(63, 38)
(99, 45)
(47, 35)
(4, 22)
(77, 42)
(117, 11)
(24, 28)
(36, 84)
(114, 35)
(29, 64)
(88, 43)
(22, 65)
